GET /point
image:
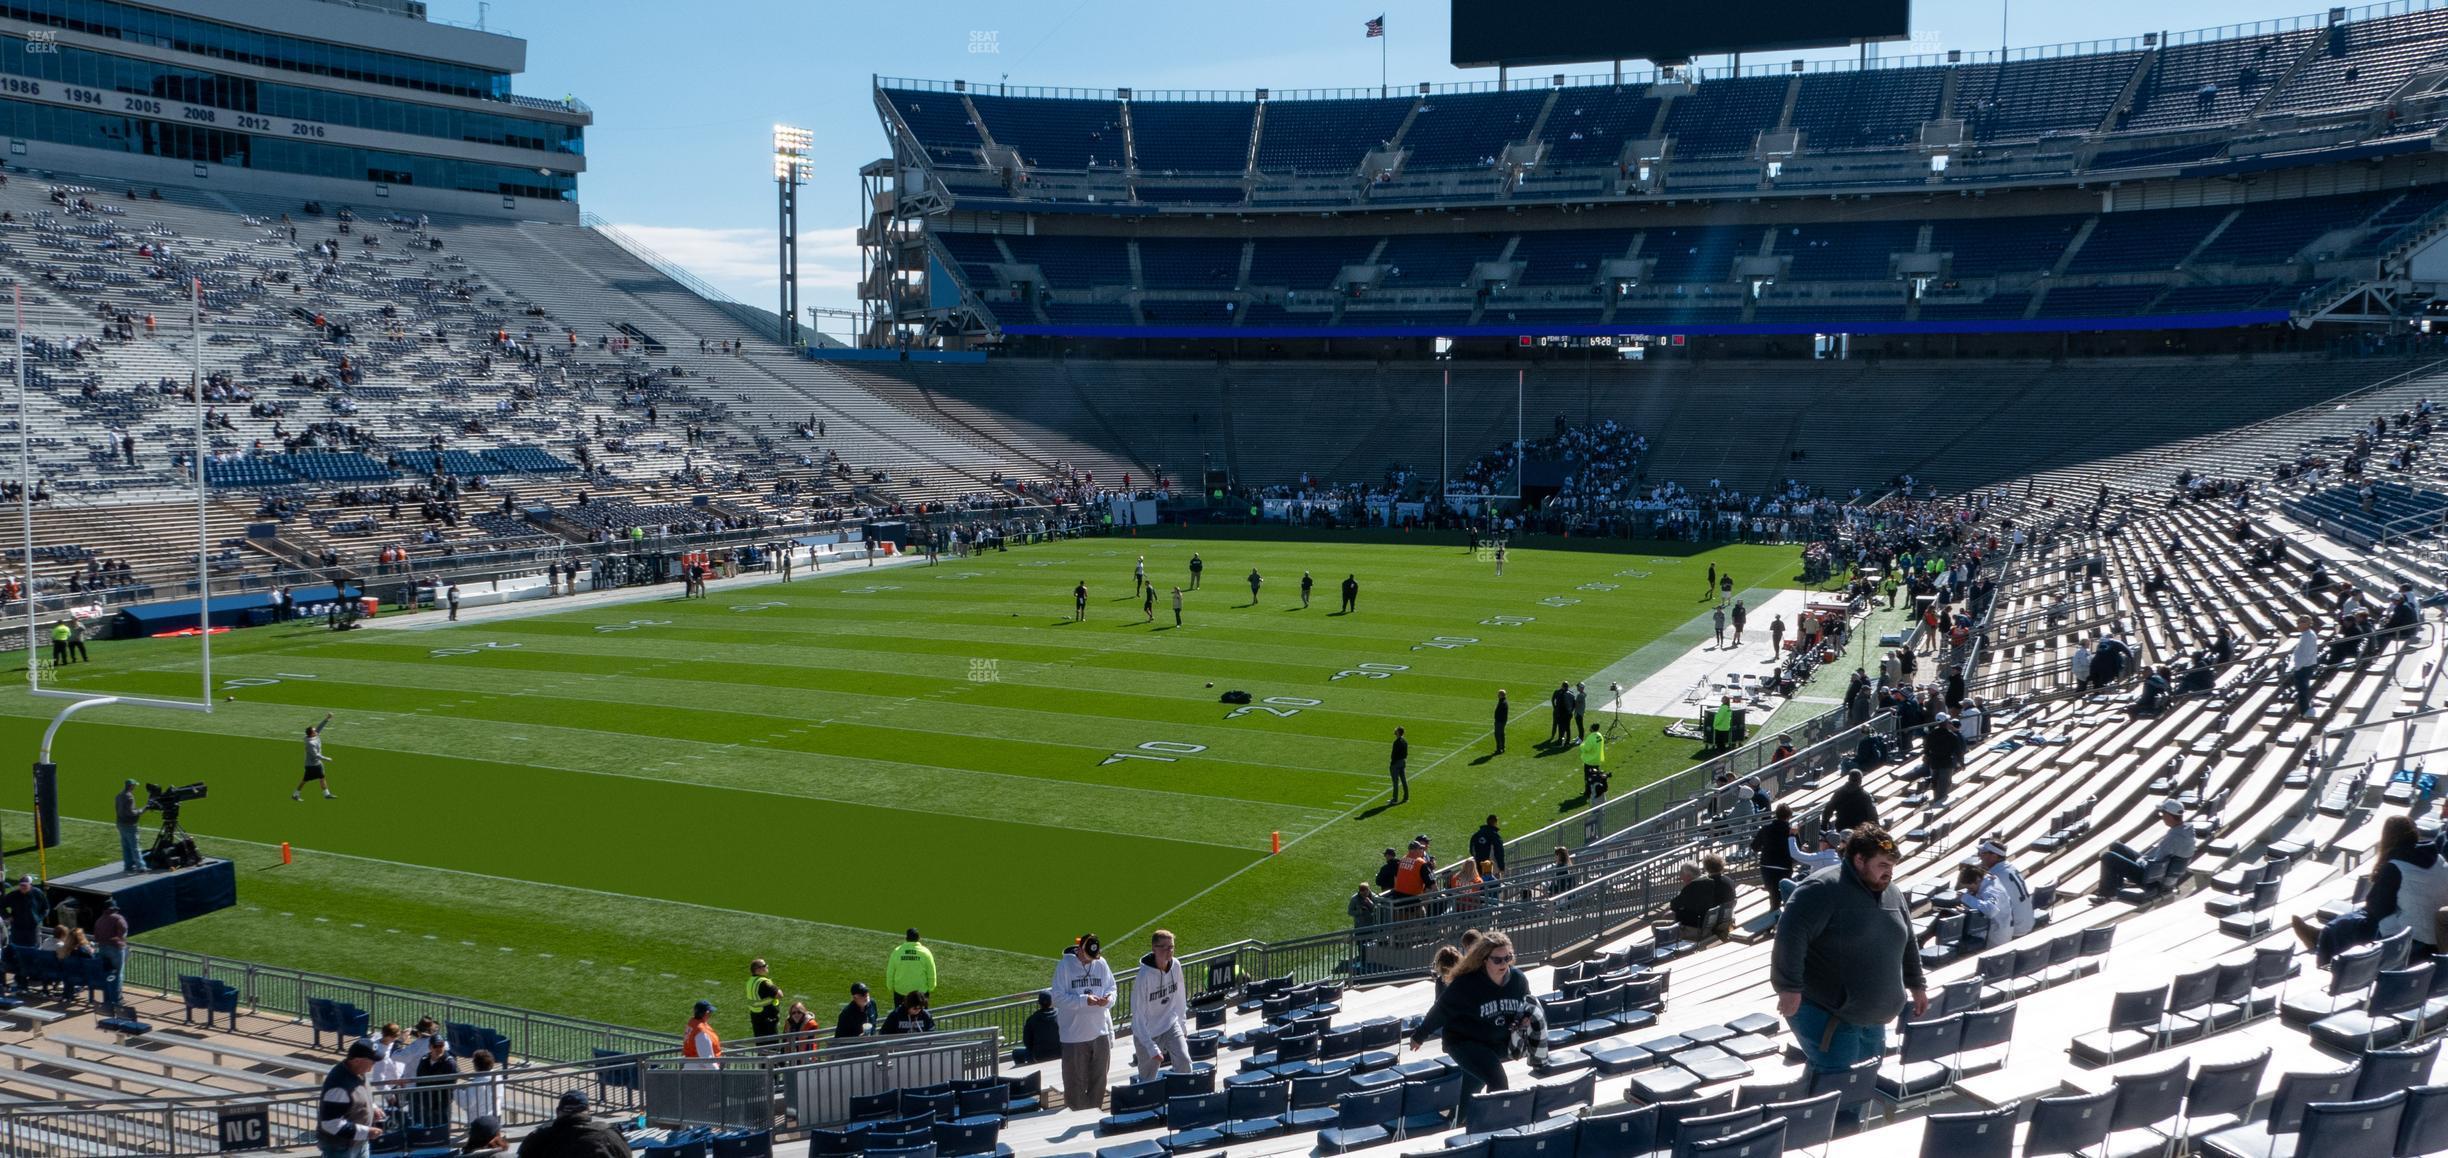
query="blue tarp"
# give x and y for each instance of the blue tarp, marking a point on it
(227, 610)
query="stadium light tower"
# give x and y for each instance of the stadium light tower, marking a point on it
(790, 168)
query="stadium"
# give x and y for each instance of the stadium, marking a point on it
(1964, 518)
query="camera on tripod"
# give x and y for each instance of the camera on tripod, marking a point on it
(167, 800)
(173, 848)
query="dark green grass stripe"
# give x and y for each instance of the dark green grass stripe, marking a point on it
(685, 842)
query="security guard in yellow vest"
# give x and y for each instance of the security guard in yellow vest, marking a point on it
(59, 644)
(1593, 765)
(764, 1002)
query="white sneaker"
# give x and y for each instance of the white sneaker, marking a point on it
(295, 796)
(327, 795)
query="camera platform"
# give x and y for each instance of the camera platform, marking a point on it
(149, 900)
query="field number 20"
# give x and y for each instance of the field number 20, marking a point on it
(1282, 706)
(1173, 747)
(1371, 671)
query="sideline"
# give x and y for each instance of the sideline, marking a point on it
(439, 617)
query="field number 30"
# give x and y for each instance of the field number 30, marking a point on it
(1282, 706)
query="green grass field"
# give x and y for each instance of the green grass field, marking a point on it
(606, 810)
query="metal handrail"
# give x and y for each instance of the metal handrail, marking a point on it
(660, 1086)
(286, 992)
(1989, 56)
(741, 312)
(1541, 925)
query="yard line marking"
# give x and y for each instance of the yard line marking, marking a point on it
(1059, 784)
(1158, 919)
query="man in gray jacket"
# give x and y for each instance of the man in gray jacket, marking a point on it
(1160, 1009)
(1845, 956)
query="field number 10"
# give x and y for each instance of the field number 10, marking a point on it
(1175, 748)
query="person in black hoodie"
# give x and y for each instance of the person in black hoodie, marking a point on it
(858, 1018)
(1488, 843)
(910, 1016)
(574, 1134)
(1775, 855)
(1850, 806)
(1041, 1034)
(436, 1073)
(1942, 750)
(1486, 1015)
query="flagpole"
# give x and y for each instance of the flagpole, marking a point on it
(195, 376)
(25, 487)
(1381, 59)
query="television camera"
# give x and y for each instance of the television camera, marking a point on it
(172, 848)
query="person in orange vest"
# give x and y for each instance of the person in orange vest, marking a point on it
(701, 1044)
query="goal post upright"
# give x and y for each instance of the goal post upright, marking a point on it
(25, 511)
(1446, 496)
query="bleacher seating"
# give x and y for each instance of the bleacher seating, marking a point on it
(2358, 62)
(1191, 136)
(2246, 262)
(2242, 68)
(1055, 132)
(1591, 126)
(1865, 109)
(1723, 118)
(1327, 137)
(941, 123)
(1468, 130)
(2132, 103)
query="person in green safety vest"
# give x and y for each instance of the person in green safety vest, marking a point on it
(764, 1001)
(59, 644)
(1593, 765)
(909, 968)
(1721, 724)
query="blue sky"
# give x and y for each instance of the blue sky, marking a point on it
(685, 95)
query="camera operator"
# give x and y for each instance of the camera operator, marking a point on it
(130, 815)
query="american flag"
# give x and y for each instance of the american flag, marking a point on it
(1377, 27)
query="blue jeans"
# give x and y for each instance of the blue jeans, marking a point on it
(114, 960)
(2348, 930)
(129, 858)
(1845, 1044)
(357, 1149)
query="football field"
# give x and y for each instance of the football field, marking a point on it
(604, 808)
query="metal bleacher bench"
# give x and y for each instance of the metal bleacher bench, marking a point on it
(222, 1051)
(174, 1066)
(34, 1016)
(119, 1079)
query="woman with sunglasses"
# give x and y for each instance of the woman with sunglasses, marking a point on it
(1486, 1015)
